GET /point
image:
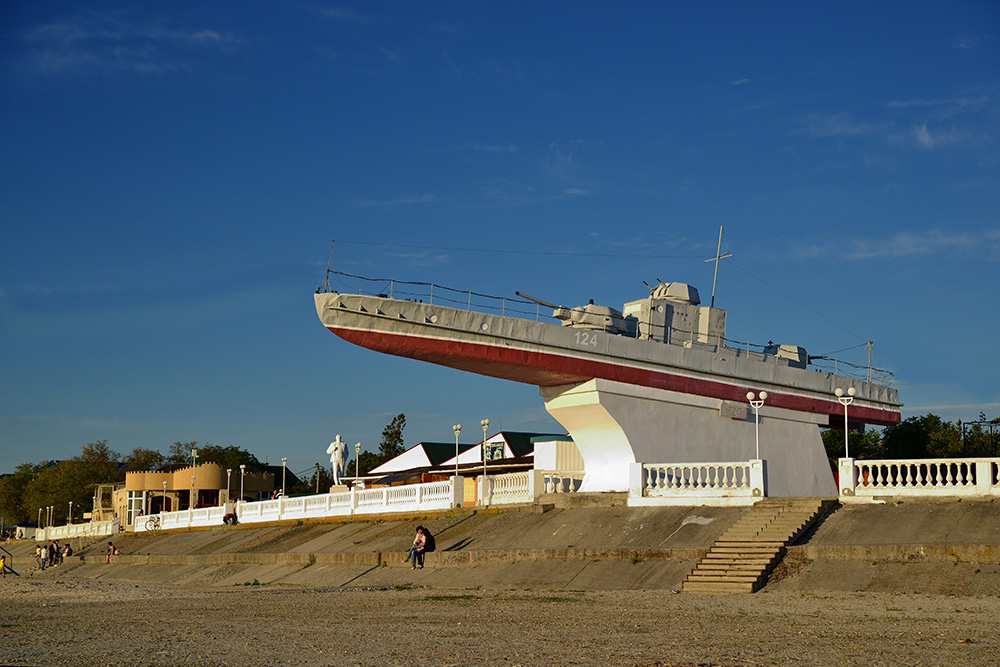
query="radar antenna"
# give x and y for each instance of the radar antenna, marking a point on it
(718, 256)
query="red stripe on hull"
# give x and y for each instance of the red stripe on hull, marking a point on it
(549, 370)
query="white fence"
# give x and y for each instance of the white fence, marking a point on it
(77, 530)
(522, 487)
(724, 484)
(410, 498)
(525, 487)
(919, 477)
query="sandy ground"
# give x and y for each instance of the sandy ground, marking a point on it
(67, 620)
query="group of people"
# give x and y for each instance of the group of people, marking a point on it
(51, 555)
(422, 543)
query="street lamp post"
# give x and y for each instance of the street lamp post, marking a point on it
(69, 518)
(163, 504)
(485, 424)
(193, 502)
(756, 403)
(357, 462)
(845, 401)
(194, 458)
(243, 470)
(284, 462)
(229, 474)
(457, 428)
(39, 517)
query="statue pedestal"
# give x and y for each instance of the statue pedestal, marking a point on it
(339, 488)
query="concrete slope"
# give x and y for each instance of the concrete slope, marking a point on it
(587, 542)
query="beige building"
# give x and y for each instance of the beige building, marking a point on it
(205, 485)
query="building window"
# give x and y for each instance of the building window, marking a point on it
(136, 506)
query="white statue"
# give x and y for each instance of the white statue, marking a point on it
(338, 459)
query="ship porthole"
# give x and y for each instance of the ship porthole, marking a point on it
(484, 326)
(434, 319)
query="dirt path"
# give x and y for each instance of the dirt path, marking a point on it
(81, 622)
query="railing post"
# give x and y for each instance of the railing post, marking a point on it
(984, 476)
(758, 478)
(848, 477)
(635, 479)
(354, 499)
(457, 491)
(420, 495)
(536, 484)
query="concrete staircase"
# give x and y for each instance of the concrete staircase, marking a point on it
(743, 557)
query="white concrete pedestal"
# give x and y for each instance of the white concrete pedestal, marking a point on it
(616, 424)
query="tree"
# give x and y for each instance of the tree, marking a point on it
(12, 490)
(141, 460)
(325, 480)
(392, 438)
(368, 461)
(862, 445)
(921, 437)
(180, 452)
(72, 480)
(229, 457)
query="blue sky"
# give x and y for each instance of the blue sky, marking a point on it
(173, 174)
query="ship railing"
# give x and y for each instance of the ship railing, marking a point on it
(526, 486)
(970, 477)
(711, 483)
(438, 294)
(431, 293)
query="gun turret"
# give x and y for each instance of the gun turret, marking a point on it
(538, 301)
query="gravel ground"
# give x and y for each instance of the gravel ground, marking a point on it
(79, 621)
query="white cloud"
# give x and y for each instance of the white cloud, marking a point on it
(94, 43)
(740, 82)
(838, 125)
(484, 148)
(424, 199)
(925, 139)
(907, 243)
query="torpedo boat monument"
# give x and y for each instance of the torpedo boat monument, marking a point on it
(652, 383)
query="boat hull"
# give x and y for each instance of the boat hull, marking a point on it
(548, 355)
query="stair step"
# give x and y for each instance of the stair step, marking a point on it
(717, 587)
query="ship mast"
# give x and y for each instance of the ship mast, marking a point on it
(718, 256)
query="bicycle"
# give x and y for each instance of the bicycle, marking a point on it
(153, 523)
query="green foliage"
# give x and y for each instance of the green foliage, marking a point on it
(35, 486)
(368, 461)
(863, 445)
(392, 438)
(927, 436)
(922, 437)
(141, 460)
(180, 452)
(325, 480)
(229, 457)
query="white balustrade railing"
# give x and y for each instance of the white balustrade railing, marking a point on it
(920, 477)
(526, 486)
(562, 482)
(522, 487)
(77, 530)
(410, 498)
(736, 483)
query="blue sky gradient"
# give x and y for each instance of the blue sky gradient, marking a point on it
(172, 177)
